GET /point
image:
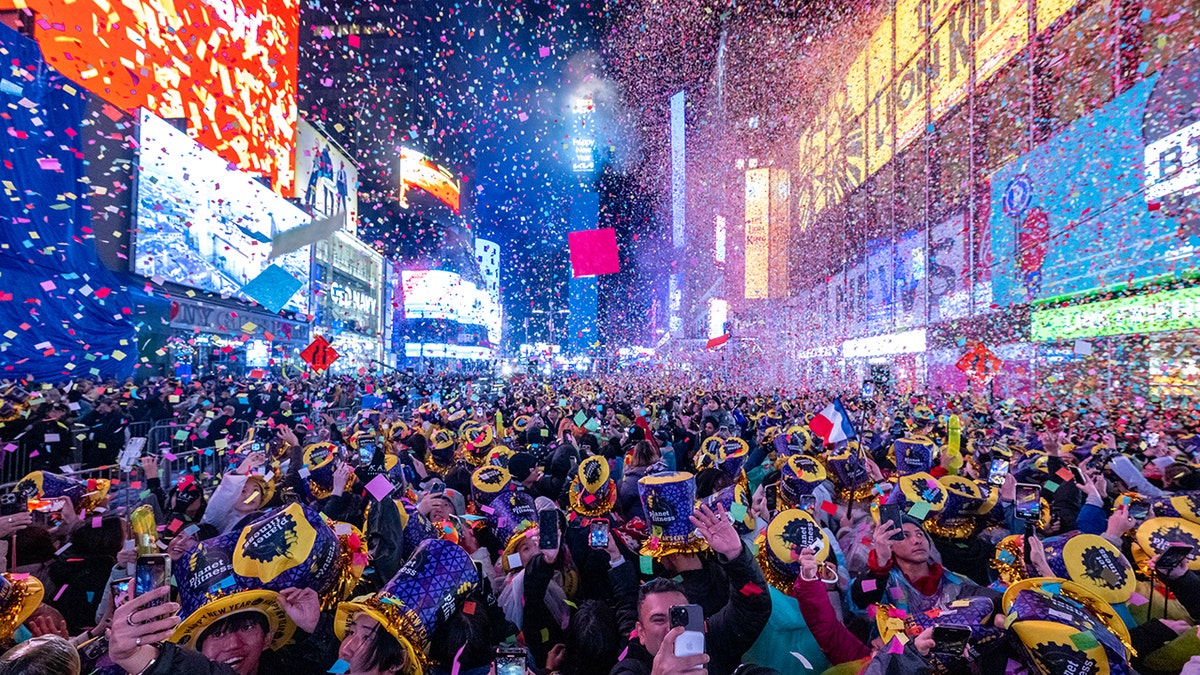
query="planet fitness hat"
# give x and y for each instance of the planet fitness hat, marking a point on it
(1063, 628)
(965, 502)
(592, 493)
(779, 546)
(512, 516)
(487, 482)
(1156, 534)
(799, 476)
(1092, 562)
(421, 597)
(736, 500)
(669, 500)
(318, 458)
(20, 595)
(45, 485)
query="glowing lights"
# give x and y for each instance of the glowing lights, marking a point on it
(909, 342)
(418, 171)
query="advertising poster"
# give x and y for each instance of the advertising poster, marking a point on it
(326, 179)
(203, 224)
(1061, 212)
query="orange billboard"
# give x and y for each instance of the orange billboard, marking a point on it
(418, 171)
(226, 66)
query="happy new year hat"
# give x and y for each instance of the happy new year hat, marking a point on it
(511, 515)
(592, 493)
(318, 459)
(290, 547)
(45, 485)
(965, 502)
(423, 594)
(729, 455)
(1156, 534)
(20, 595)
(1186, 506)
(1092, 562)
(800, 475)
(972, 612)
(487, 482)
(788, 533)
(442, 447)
(918, 488)
(847, 466)
(669, 500)
(1064, 628)
(735, 499)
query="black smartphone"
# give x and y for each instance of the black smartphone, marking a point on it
(891, 513)
(1078, 473)
(1139, 510)
(118, 589)
(510, 661)
(691, 618)
(481, 577)
(598, 534)
(11, 504)
(771, 494)
(998, 471)
(1170, 558)
(808, 503)
(951, 640)
(1029, 501)
(548, 529)
(151, 572)
(366, 451)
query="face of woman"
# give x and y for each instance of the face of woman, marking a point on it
(528, 547)
(356, 647)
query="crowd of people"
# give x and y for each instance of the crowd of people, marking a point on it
(629, 524)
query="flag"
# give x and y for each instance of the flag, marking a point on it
(833, 423)
(713, 343)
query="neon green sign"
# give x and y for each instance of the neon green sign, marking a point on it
(1157, 312)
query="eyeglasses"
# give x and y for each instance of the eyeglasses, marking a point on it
(825, 572)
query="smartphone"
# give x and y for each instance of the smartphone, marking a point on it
(10, 504)
(598, 534)
(771, 494)
(118, 589)
(1170, 558)
(1139, 510)
(256, 446)
(366, 451)
(951, 640)
(808, 503)
(1029, 501)
(691, 617)
(151, 572)
(548, 529)
(1078, 473)
(998, 471)
(482, 585)
(510, 661)
(891, 513)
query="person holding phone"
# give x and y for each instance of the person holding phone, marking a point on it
(903, 571)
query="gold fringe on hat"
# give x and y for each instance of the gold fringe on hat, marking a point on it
(780, 581)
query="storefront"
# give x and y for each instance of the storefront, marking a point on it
(207, 339)
(350, 285)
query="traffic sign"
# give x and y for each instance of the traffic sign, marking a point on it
(319, 355)
(1017, 196)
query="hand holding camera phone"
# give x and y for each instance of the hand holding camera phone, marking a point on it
(548, 530)
(691, 618)
(951, 640)
(890, 513)
(1029, 503)
(598, 535)
(151, 572)
(510, 661)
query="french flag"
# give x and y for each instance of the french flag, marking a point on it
(833, 423)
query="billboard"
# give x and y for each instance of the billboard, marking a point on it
(326, 179)
(758, 239)
(226, 66)
(420, 172)
(1073, 216)
(202, 223)
(487, 254)
(1135, 315)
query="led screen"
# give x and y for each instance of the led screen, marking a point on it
(326, 179)
(418, 171)
(434, 294)
(202, 223)
(226, 66)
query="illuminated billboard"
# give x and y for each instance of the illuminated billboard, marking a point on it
(434, 294)
(226, 66)
(1136, 315)
(201, 223)
(768, 232)
(718, 314)
(420, 172)
(326, 179)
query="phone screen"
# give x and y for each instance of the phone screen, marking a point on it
(1029, 505)
(118, 589)
(598, 535)
(366, 451)
(951, 639)
(891, 513)
(808, 503)
(998, 471)
(1139, 510)
(510, 661)
(152, 571)
(771, 493)
(548, 529)
(1170, 558)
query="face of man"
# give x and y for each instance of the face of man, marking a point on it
(915, 546)
(241, 650)
(439, 509)
(654, 618)
(709, 429)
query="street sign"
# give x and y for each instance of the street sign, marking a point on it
(319, 355)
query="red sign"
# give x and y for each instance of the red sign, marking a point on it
(319, 354)
(979, 363)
